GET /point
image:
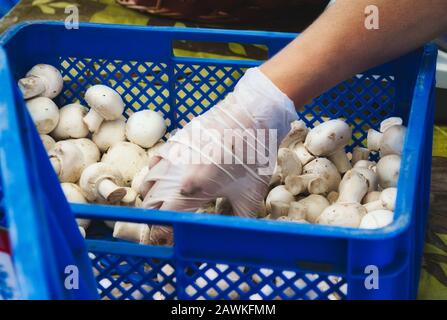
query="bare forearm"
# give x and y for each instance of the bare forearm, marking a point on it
(338, 45)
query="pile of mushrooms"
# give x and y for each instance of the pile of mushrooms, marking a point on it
(98, 155)
(317, 181)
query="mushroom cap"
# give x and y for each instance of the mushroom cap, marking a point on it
(73, 193)
(377, 219)
(365, 164)
(278, 194)
(70, 158)
(145, 128)
(288, 163)
(44, 112)
(393, 140)
(89, 150)
(110, 133)
(389, 122)
(326, 170)
(70, 123)
(94, 174)
(105, 101)
(328, 137)
(388, 169)
(343, 215)
(128, 158)
(47, 141)
(50, 76)
(297, 134)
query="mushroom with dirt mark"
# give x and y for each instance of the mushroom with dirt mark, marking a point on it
(67, 161)
(387, 200)
(388, 169)
(129, 231)
(377, 219)
(45, 114)
(73, 194)
(370, 176)
(105, 104)
(329, 139)
(343, 215)
(326, 170)
(110, 133)
(102, 181)
(43, 80)
(47, 141)
(145, 128)
(128, 158)
(70, 125)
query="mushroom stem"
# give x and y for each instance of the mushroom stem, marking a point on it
(374, 206)
(359, 154)
(31, 87)
(279, 209)
(135, 232)
(341, 161)
(302, 153)
(56, 165)
(306, 182)
(93, 120)
(110, 191)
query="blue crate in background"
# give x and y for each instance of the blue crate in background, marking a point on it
(214, 257)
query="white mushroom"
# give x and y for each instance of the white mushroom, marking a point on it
(389, 142)
(388, 169)
(102, 181)
(105, 104)
(128, 158)
(89, 150)
(43, 80)
(365, 164)
(387, 200)
(67, 161)
(312, 206)
(325, 169)
(45, 114)
(329, 139)
(389, 122)
(359, 153)
(70, 123)
(342, 215)
(131, 199)
(278, 194)
(47, 141)
(110, 133)
(129, 231)
(371, 196)
(145, 128)
(377, 219)
(73, 194)
(353, 187)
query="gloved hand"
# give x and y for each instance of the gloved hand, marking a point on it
(229, 151)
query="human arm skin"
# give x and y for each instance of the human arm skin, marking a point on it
(338, 45)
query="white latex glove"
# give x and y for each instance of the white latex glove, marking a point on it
(188, 175)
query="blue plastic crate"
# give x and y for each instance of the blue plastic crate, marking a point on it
(214, 257)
